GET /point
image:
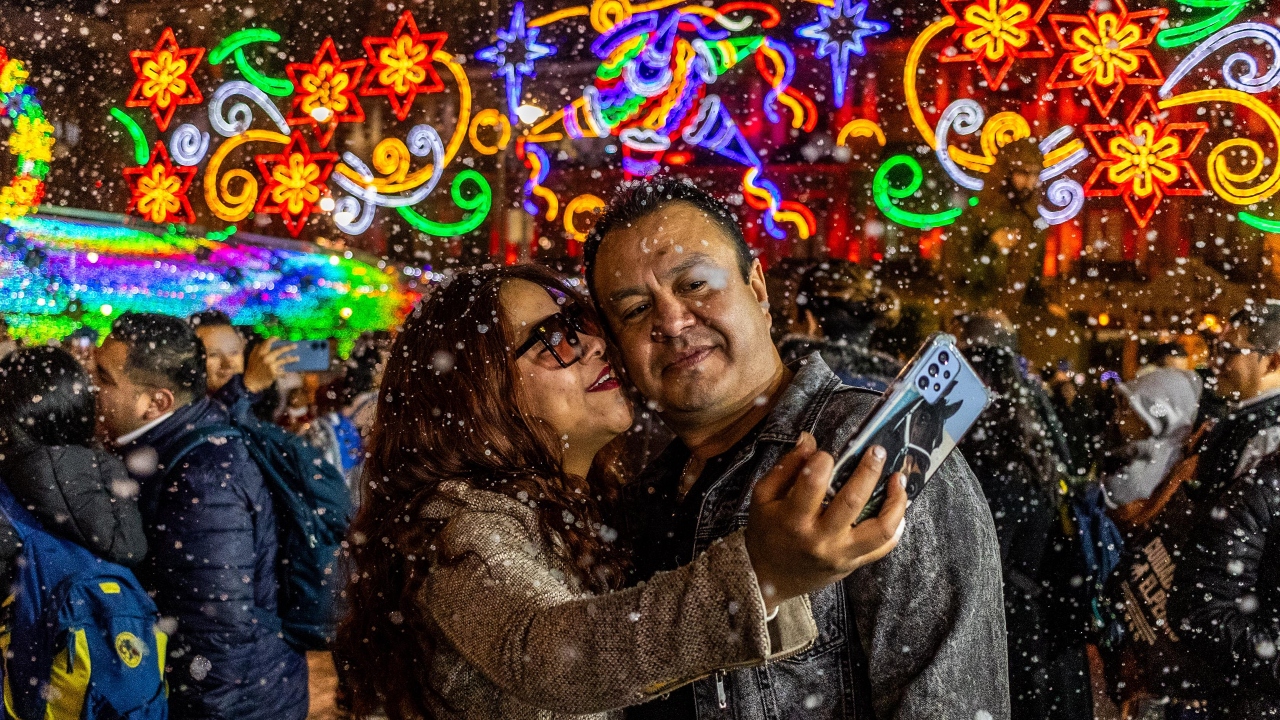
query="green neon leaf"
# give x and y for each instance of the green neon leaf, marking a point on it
(479, 204)
(268, 85)
(1263, 224)
(1197, 31)
(237, 40)
(885, 193)
(235, 43)
(140, 151)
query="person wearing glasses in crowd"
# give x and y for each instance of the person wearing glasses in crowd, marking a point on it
(486, 578)
(1246, 364)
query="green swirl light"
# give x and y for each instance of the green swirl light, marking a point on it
(479, 204)
(1197, 31)
(885, 193)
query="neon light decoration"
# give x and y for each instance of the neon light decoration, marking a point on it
(995, 33)
(585, 203)
(514, 53)
(1263, 224)
(885, 192)
(234, 45)
(841, 31)
(1144, 160)
(400, 66)
(1105, 52)
(1197, 31)
(165, 78)
(159, 189)
(1248, 80)
(90, 273)
(295, 181)
(479, 205)
(31, 140)
(1226, 182)
(325, 92)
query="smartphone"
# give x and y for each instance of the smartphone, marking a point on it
(918, 421)
(313, 355)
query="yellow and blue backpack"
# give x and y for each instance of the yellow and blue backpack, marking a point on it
(82, 641)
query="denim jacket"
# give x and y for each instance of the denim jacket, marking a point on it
(917, 635)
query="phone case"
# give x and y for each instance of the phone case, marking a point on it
(924, 413)
(313, 356)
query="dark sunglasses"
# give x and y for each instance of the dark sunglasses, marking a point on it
(558, 333)
(1225, 350)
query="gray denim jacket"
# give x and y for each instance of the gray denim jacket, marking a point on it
(918, 635)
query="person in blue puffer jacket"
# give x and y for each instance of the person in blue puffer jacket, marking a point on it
(210, 523)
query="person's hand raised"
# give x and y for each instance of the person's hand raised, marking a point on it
(798, 545)
(266, 364)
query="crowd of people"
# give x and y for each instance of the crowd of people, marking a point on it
(609, 495)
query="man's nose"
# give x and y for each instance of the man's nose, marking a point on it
(672, 317)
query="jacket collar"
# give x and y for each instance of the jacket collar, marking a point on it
(801, 402)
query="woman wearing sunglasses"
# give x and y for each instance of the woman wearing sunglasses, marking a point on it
(486, 581)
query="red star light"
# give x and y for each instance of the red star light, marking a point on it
(995, 33)
(1144, 160)
(325, 92)
(159, 189)
(164, 78)
(1105, 52)
(400, 65)
(296, 180)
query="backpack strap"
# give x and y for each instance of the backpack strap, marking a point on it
(192, 440)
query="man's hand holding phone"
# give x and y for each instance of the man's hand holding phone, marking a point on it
(798, 543)
(266, 364)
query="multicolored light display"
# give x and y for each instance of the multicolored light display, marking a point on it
(57, 274)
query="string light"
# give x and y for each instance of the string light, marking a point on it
(31, 140)
(515, 52)
(1105, 52)
(139, 271)
(841, 31)
(401, 66)
(164, 78)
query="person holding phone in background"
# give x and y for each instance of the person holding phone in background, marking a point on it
(232, 376)
(918, 635)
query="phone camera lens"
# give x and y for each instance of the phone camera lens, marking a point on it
(933, 371)
(936, 387)
(946, 375)
(944, 357)
(924, 383)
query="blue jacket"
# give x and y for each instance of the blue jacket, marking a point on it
(212, 531)
(918, 635)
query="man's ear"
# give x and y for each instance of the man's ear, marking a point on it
(756, 280)
(162, 401)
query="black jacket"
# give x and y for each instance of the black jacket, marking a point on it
(1228, 595)
(81, 494)
(212, 528)
(1242, 437)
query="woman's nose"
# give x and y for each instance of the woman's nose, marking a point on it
(592, 346)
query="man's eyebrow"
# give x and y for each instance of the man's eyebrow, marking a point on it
(693, 260)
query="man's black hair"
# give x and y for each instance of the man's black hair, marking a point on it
(1262, 323)
(46, 399)
(642, 198)
(163, 353)
(209, 318)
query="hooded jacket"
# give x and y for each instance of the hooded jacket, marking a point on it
(1167, 400)
(81, 494)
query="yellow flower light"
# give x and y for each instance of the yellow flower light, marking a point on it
(1143, 159)
(297, 188)
(997, 27)
(12, 75)
(1105, 50)
(32, 139)
(325, 89)
(403, 64)
(163, 78)
(158, 195)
